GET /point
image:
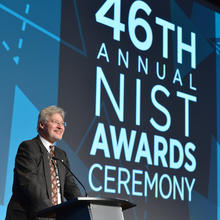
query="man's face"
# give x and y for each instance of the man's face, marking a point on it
(54, 128)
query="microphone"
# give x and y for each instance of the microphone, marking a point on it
(62, 162)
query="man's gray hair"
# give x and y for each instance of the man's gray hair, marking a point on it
(47, 112)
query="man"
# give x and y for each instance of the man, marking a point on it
(35, 170)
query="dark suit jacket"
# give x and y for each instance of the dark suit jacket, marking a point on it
(32, 181)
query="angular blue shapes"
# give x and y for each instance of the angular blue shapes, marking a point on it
(204, 48)
(16, 59)
(23, 127)
(23, 27)
(217, 25)
(5, 45)
(20, 43)
(201, 208)
(2, 212)
(213, 172)
(202, 21)
(217, 35)
(27, 8)
(218, 180)
(83, 51)
(44, 13)
(49, 31)
(29, 22)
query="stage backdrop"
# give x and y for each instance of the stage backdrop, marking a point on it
(139, 81)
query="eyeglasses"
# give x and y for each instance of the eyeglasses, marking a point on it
(61, 123)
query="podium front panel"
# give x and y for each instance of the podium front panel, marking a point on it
(79, 212)
(87, 208)
(102, 212)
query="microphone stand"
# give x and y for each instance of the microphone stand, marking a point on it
(62, 162)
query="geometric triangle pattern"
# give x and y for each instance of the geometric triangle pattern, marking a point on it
(23, 126)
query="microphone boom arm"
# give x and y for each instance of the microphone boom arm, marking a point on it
(62, 162)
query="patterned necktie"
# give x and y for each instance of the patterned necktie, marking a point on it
(54, 188)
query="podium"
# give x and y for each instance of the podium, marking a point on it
(88, 208)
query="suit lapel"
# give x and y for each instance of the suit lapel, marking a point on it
(46, 166)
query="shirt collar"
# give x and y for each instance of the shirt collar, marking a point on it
(46, 143)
